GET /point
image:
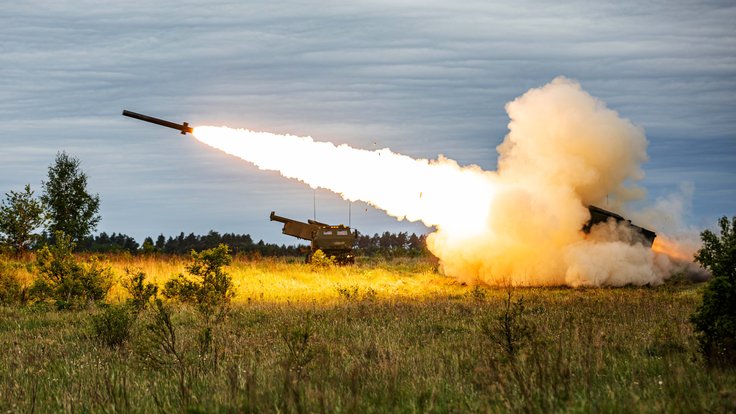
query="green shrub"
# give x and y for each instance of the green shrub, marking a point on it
(140, 292)
(348, 293)
(715, 319)
(182, 288)
(208, 285)
(112, 326)
(160, 343)
(67, 281)
(354, 293)
(319, 260)
(477, 294)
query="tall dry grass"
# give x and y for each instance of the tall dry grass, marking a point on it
(377, 337)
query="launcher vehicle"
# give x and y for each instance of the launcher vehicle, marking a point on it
(337, 241)
(599, 215)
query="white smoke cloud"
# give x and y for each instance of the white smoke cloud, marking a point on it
(522, 224)
(565, 150)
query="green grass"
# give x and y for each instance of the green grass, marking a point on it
(377, 337)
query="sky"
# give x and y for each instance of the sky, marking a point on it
(423, 78)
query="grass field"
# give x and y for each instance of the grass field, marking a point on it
(376, 337)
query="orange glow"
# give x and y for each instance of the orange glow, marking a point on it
(672, 249)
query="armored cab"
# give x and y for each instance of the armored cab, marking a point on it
(599, 215)
(337, 240)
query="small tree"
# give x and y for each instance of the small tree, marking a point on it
(141, 292)
(20, 215)
(715, 318)
(209, 286)
(510, 331)
(71, 208)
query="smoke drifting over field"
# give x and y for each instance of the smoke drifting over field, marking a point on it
(522, 224)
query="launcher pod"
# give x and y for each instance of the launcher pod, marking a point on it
(599, 215)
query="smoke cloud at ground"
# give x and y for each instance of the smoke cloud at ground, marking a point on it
(520, 225)
(564, 150)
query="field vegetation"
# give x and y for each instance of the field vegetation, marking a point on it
(101, 324)
(380, 336)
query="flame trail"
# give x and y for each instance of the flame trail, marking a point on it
(521, 225)
(434, 192)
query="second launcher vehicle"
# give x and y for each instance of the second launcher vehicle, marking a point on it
(337, 241)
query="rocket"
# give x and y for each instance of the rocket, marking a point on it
(184, 127)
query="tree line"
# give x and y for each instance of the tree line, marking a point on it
(67, 208)
(184, 244)
(386, 244)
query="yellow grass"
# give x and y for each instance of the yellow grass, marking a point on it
(375, 337)
(282, 280)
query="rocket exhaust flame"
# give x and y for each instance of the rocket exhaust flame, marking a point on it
(434, 192)
(673, 249)
(521, 224)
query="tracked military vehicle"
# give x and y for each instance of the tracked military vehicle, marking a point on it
(337, 241)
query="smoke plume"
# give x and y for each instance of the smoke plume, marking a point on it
(520, 225)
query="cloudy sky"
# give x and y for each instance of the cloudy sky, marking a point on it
(421, 77)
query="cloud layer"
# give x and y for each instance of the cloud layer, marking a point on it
(422, 78)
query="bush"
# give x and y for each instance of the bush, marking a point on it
(112, 326)
(320, 260)
(477, 294)
(11, 288)
(65, 280)
(161, 343)
(354, 294)
(715, 319)
(208, 285)
(140, 292)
